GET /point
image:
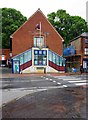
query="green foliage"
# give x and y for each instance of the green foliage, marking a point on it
(11, 21)
(0, 29)
(68, 26)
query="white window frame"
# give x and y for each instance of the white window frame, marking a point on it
(86, 51)
(38, 41)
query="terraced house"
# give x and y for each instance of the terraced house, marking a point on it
(37, 47)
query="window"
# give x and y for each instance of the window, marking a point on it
(57, 60)
(54, 59)
(25, 57)
(63, 62)
(3, 57)
(86, 41)
(21, 59)
(40, 57)
(50, 55)
(86, 51)
(38, 41)
(60, 61)
(29, 55)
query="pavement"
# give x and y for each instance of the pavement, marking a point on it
(7, 72)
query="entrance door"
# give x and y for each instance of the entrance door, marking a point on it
(15, 66)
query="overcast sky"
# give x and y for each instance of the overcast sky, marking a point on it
(28, 7)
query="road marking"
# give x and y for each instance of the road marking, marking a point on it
(19, 89)
(81, 83)
(64, 85)
(58, 83)
(77, 81)
(32, 89)
(54, 81)
(71, 78)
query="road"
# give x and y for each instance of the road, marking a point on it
(43, 82)
(45, 96)
(25, 85)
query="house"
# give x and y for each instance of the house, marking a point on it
(76, 53)
(4, 57)
(37, 47)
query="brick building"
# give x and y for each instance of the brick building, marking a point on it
(76, 53)
(37, 46)
(4, 56)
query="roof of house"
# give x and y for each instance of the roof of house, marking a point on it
(85, 34)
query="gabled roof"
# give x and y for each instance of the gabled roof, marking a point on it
(30, 18)
(85, 34)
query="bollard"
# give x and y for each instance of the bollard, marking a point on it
(21, 71)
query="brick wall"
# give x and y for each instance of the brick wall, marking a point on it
(5, 52)
(77, 45)
(22, 39)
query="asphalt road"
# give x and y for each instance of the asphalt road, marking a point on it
(5, 70)
(45, 81)
(55, 103)
(45, 96)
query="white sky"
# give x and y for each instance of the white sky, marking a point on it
(28, 7)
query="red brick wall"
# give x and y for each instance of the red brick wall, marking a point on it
(23, 38)
(78, 45)
(5, 52)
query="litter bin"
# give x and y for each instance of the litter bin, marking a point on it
(75, 70)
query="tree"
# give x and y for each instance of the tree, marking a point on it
(68, 26)
(0, 20)
(11, 21)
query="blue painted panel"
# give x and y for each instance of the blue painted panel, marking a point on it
(15, 66)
